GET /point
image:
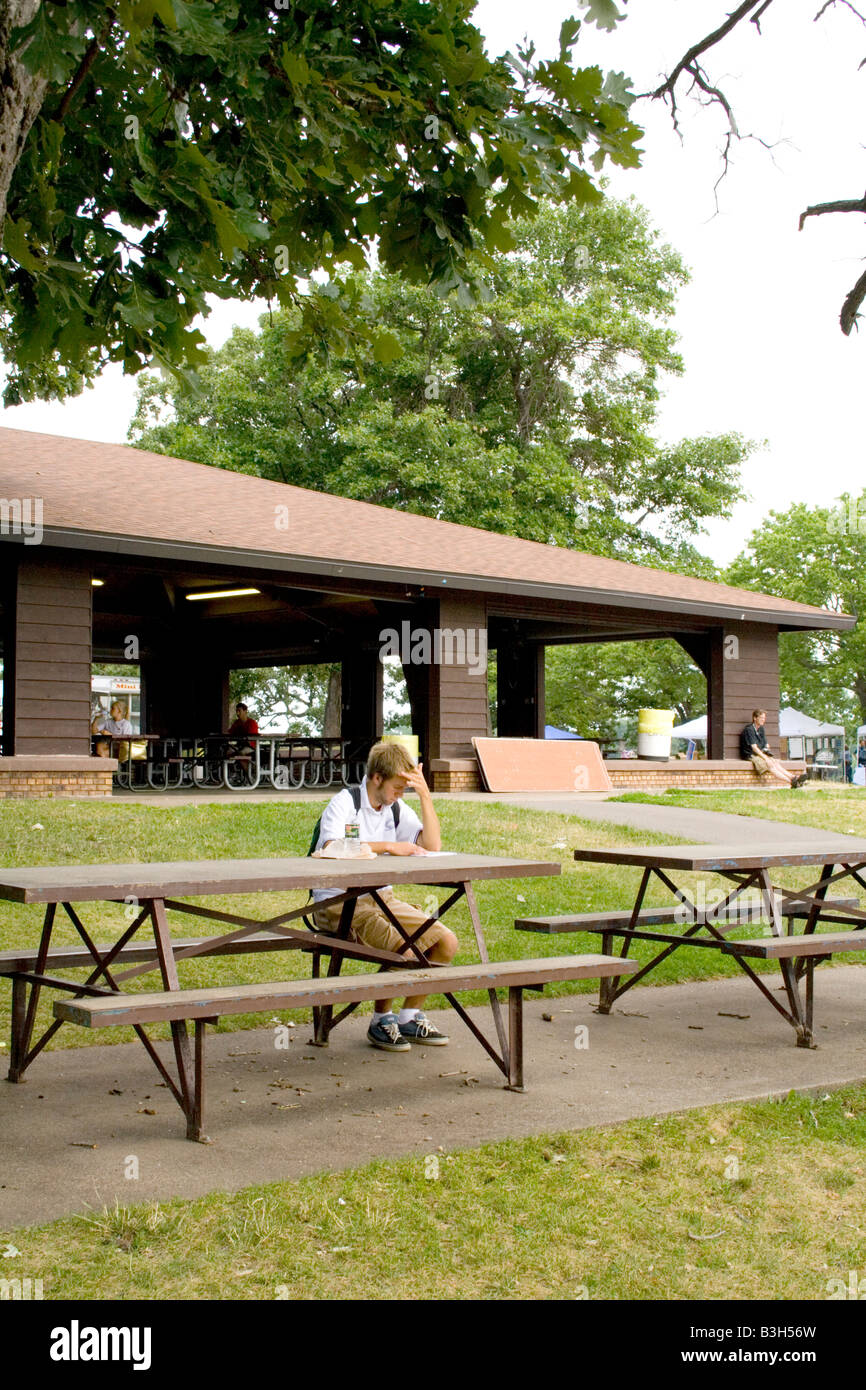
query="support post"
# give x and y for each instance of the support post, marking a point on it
(47, 674)
(456, 675)
(361, 694)
(519, 688)
(742, 675)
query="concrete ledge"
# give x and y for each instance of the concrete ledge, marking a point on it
(634, 774)
(694, 764)
(56, 762)
(56, 775)
(641, 774)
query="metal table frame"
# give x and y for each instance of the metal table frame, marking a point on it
(744, 869)
(352, 879)
(204, 760)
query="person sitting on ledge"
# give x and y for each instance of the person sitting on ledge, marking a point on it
(754, 749)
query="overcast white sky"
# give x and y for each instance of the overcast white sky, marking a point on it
(758, 324)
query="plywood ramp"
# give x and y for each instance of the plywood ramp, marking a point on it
(541, 765)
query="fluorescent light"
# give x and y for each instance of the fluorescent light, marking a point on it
(97, 583)
(222, 593)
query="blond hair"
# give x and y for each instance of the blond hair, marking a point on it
(389, 760)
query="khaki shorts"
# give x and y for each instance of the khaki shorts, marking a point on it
(761, 764)
(372, 927)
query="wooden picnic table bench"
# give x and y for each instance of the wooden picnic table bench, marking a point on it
(663, 916)
(151, 891)
(203, 1006)
(744, 867)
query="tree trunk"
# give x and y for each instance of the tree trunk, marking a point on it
(21, 95)
(333, 703)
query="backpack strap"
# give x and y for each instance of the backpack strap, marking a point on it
(355, 792)
(395, 808)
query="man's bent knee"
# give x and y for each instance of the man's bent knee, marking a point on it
(446, 947)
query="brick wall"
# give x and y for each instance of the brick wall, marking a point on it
(461, 775)
(643, 776)
(70, 776)
(454, 775)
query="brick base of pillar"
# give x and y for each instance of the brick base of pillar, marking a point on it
(454, 775)
(61, 776)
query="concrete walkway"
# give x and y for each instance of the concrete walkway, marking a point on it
(685, 823)
(69, 1135)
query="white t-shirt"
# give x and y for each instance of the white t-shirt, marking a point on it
(118, 728)
(375, 825)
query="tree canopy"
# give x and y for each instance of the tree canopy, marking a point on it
(690, 72)
(816, 555)
(593, 689)
(531, 412)
(155, 152)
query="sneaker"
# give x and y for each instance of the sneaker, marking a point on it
(387, 1035)
(800, 781)
(421, 1030)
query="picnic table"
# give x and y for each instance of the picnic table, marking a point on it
(284, 762)
(123, 748)
(695, 923)
(151, 891)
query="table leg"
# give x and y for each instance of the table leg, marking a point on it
(195, 1114)
(515, 1040)
(485, 960)
(322, 1017)
(24, 1018)
(786, 967)
(800, 965)
(168, 969)
(819, 896)
(810, 994)
(257, 766)
(607, 983)
(17, 1049)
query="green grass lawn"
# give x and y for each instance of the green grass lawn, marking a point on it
(840, 809)
(82, 832)
(757, 1201)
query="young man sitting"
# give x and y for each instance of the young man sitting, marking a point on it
(390, 772)
(244, 729)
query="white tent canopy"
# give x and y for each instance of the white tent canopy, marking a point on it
(695, 729)
(792, 724)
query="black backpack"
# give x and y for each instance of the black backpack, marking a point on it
(356, 798)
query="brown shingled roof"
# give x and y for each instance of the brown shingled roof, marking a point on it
(114, 497)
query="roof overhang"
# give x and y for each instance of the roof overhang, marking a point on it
(372, 573)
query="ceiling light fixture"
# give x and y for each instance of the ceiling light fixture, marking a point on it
(221, 593)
